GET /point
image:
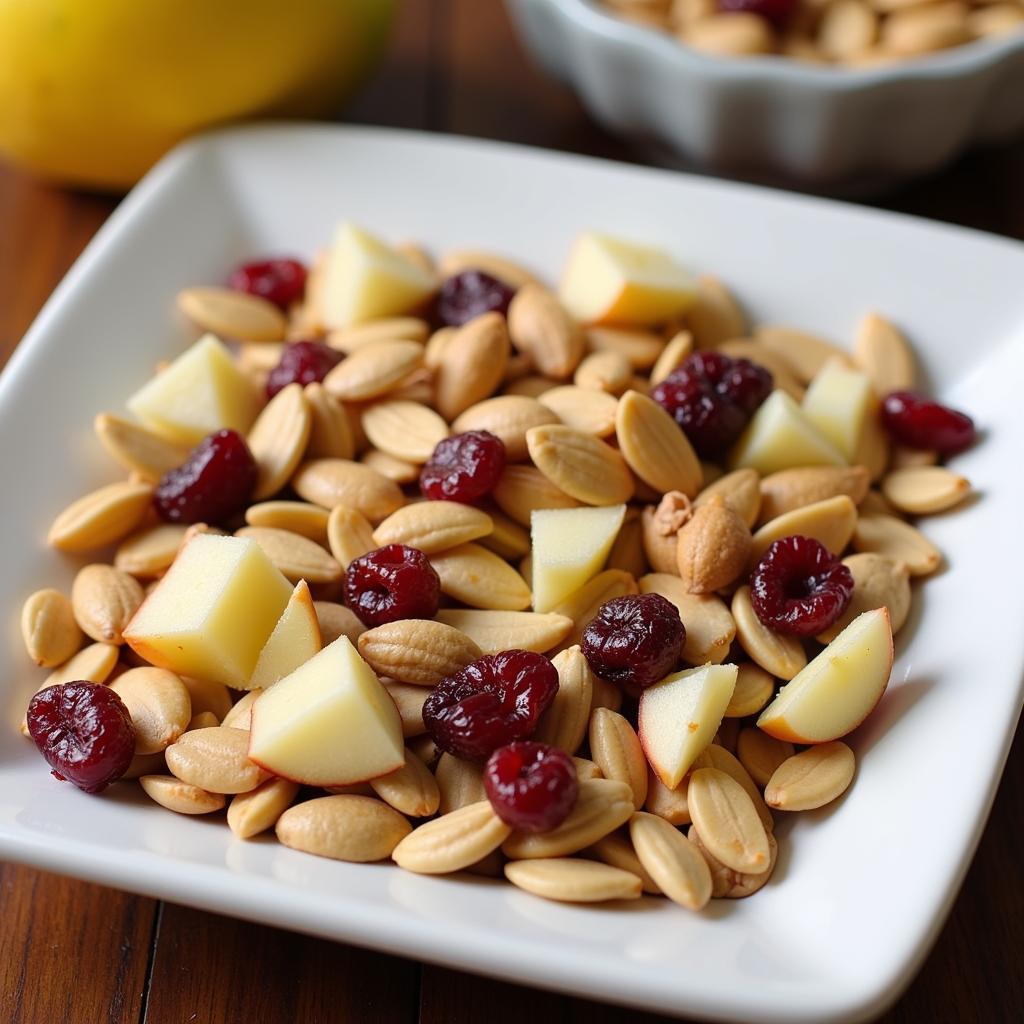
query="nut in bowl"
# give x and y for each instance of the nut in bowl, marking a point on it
(678, 576)
(723, 88)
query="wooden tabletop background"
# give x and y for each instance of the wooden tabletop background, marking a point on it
(74, 953)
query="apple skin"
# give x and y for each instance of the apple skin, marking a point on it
(776, 723)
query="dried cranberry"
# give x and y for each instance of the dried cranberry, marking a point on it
(84, 731)
(917, 422)
(712, 397)
(777, 12)
(303, 362)
(495, 700)
(471, 294)
(280, 281)
(464, 467)
(634, 640)
(799, 587)
(531, 786)
(214, 483)
(393, 582)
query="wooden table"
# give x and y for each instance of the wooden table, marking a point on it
(72, 953)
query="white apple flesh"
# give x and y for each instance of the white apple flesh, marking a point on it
(296, 638)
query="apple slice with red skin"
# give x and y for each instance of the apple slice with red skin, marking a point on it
(836, 691)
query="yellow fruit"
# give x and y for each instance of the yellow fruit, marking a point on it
(93, 92)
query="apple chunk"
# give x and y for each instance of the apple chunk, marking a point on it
(329, 723)
(296, 638)
(680, 715)
(837, 403)
(570, 546)
(200, 392)
(610, 281)
(213, 611)
(835, 692)
(364, 278)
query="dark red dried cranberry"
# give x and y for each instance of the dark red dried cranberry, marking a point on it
(280, 281)
(214, 483)
(712, 397)
(497, 699)
(464, 467)
(799, 587)
(470, 294)
(635, 640)
(303, 362)
(531, 786)
(777, 12)
(917, 422)
(393, 582)
(85, 733)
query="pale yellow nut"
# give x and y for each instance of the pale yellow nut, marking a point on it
(715, 315)
(884, 354)
(812, 778)
(618, 851)
(160, 707)
(411, 789)
(717, 755)
(104, 599)
(754, 688)
(791, 489)
(49, 629)
(333, 482)
(254, 812)
(216, 760)
(573, 881)
(781, 656)
(641, 348)
(887, 535)
(540, 326)
(336, 620)
(148, 553)
(921, 490)
(508, 417)
(610, 372)
(671, 860)
(830, 522)
(761, 754)
(418, 651)
(474, 364)
(728, 821)
(654, 447)
(178, 796)
(727, 883)
(349, 535)
(564, 723)
(137, 448)
(433, 526)
(330, 430)
(616, 750)
(350, 828)
(459, 782)
(452, 842)
(232, 314)
(373, 370)
(582, 466)
(300, 517)
(590, 412)
(101, 517)
(878, 581)
(278, 440)
(740, 489)
(478, 577)
(523, 489)
(405, 430)
(295, 556)
(806, 353)
(495, 631)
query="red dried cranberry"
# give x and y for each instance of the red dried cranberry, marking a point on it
(303, 362)
(917, 422)
(393, 582)
(776, 11)
(214, 483)
(280, 281)
(84, 731)
(712, 397)
(799, 587)
(497, 699)
(531, 786)
(635, 640)
(471, 294)
(464, 467)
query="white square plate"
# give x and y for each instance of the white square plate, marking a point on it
(860, 889)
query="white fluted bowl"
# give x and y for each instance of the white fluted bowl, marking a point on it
(773, 118)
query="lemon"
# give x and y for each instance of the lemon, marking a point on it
(93, 92)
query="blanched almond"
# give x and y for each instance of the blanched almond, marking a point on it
(459, 782)
(610, 372)
(358, 829)
(781, 656)
(601, 807)
(452, 842)
(830, 522)
(570, 880)
(496, 631)
(418, 651)
(564, 724)
(93, 664)
(715, 315)
(410, 789)
(254, 812)
(349, 535)
(240, 714)
(729, 884)
(232, 314)
(137, 448)
(409, 700)
(887, 535)
(178, 796)
(392, 328)
(712, 548)
(878, 581)
(149, 552)
(433, 526)
(741, 490)
(508, 417)
(215, 759)
(659, 539)
(618, 851)
(49, 629)
(783, 372)
(202, 720)
(337, 620)
(397, 470)
(814, 777)
(920, 490)
(205, 695)
(675, 353)
(278, 439)
(330, 431)
(882, 352)
(300, 517)
(104, 599)
(715, 755)
(474, 364)
(405, 430)
(671, 860)
(641, 348)
(478, 577)
(582, 466)
(159, 705)
(654, 447)
(582, 605)
(590, 412)
(754, 688)
(522, 489)
(627, 553)
(727, 821)
(806, 353)
(669, 804)
(101, 517)
(514, 274)
(373, 370)
(297, 557)
(540, 326)
(790, 489)
(616, 750)
(761, 754)
(331, 482)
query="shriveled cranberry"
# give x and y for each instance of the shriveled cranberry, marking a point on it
(464, 467)
(84, 731)
(634, 640)
(531, 786)
(303, 362)
(393, 582)
(776, 11)
(799, 587)
(495, 700)
(280, 281)
(712, 397)
(470, 294)
(214, 483)
(917, 422)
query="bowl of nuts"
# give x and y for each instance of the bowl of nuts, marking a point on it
(847, 95)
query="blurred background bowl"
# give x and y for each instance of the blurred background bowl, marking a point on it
(93, 92)
(773, 118)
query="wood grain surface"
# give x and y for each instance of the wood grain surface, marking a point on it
(74, 953)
